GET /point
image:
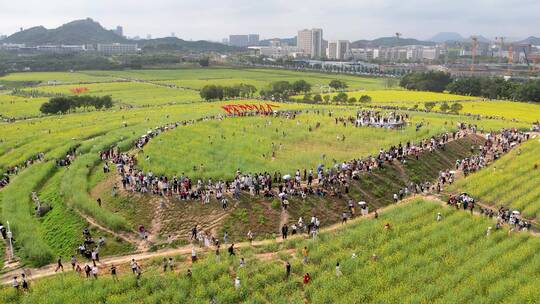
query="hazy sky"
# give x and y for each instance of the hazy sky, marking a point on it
(340, 19)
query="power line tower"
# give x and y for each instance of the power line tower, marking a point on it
(510, 59)
(473, 51)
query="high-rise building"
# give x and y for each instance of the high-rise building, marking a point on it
(244, 40)
(310, 42)
(253, 39)
(119, 31)
(338, 49)
(239, 40)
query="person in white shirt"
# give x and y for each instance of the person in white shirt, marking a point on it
(237, 283)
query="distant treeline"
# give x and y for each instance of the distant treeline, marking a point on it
(487, 87)
(12, 62)
(278, 90)
(217, 92)
(66, 104)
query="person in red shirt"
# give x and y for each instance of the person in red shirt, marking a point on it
(307, 278)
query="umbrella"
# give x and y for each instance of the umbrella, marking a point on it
(362, 203)
(287, 177)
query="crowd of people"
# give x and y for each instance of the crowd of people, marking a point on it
(380, 119)
(4, 179)
(332, 181)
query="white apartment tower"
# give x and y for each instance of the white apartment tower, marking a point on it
(338, 49)
(310, 42)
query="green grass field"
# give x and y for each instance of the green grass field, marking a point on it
(57, 77)
(197, 78)
(18, 107)
(131, 93)
(419, 260)
(222, 147)
(39, 240)
(511, 181)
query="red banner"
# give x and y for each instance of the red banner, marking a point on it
(238, 109)
(79, 90)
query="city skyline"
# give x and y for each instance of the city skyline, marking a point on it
(347, 19)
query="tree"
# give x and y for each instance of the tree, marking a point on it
(247, 90)
(317, 98)
(365, 98)
(337, 84)
(212, 92)
(529, 91)
(326, 98)
(444, 107)
(65, 104)
(390, 83)
(204, 62)
(456, 107)
(429, 105)
(307, 97)
(340, 97)
(301, 86)
(352, 100)
(426, 81)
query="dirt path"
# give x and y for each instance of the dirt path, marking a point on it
(124, 236)
(283, 218)
(48, 270)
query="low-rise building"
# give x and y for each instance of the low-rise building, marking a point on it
(117, 48)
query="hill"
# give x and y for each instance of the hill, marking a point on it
(447, 36)
(389, 42)
(176, 44)
(517, 171)
(531, 40)
(85, 31)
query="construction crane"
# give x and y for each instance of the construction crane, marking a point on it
(473, 52)
(501, 46)
(528, 47)
(510, 59)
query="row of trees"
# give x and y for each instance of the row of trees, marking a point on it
(284, 89)
(426, 81)
(488, 87)
(455, 107)
(497, 88)
(217, 92)
(279, 90)
(341, 97)
(66, 104)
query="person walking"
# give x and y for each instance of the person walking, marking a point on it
(338, 270)
(287, 269)
(73, 262)
(15, 283)
(24, 282)
(193, 255)
(114, 273)
(171, 264)
(59, 264)
(250, 237)
(284, 231)
(305, 255)
(95, 272)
